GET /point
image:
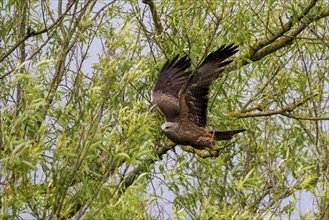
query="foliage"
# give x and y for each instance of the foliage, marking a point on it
(79, 136)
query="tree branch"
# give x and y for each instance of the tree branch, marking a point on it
(283, 111)
(132, 176)
(286, 27)
(32, 33)
(305, 117)
(278, 40)
(282, 41)
(155, 16)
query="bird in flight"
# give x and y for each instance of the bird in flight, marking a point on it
(182, 97)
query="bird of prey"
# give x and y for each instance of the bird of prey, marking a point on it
(182, 97)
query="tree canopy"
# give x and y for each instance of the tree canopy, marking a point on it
(80, 137)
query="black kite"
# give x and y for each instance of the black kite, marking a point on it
(182, 96)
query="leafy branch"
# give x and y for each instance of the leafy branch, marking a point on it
(31, 33)
(285, 111)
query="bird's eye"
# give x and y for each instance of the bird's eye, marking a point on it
(167, 127)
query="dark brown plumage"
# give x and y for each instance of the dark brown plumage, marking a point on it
(182, 96)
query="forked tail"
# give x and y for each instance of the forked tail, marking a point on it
(225, 135)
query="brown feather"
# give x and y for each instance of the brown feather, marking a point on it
(194, 94)
(171, 78)
(182, 96)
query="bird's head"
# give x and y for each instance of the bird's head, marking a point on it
(168, 127)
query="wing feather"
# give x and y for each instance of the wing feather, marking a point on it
(171, 78)
(193, 98)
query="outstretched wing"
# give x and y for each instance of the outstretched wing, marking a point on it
(194, 96)
(171, 78)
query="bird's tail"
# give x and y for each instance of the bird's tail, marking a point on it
(225, 135)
